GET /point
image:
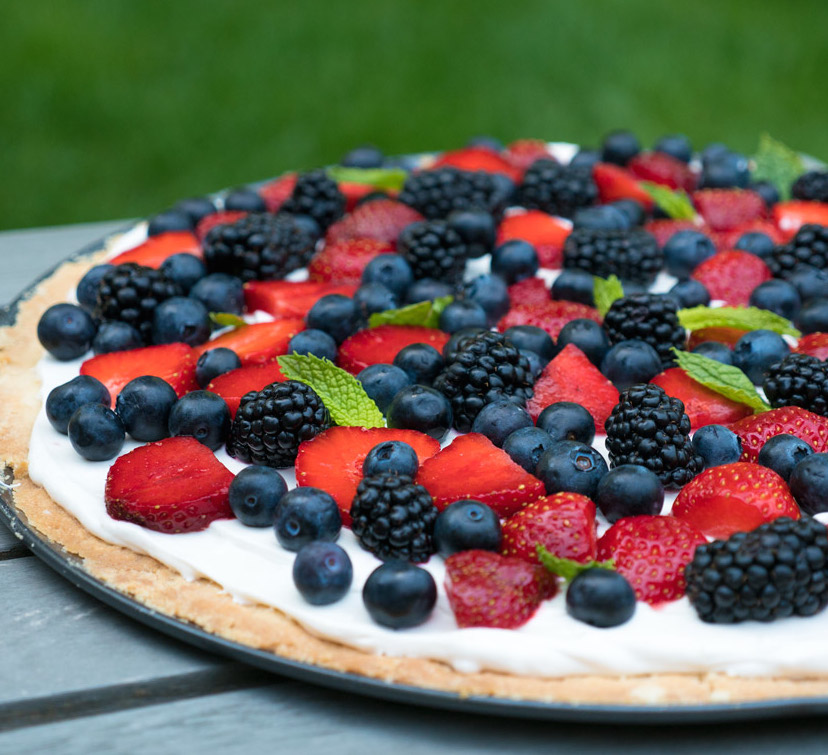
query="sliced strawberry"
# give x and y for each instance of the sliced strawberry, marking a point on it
(726, 209)
(332, 461)
(530, 292)
(728, 239)
(551, 315)
(157, 248)
(382, 219)
(665, 229)
(259, 343)
(570, 376)
(523, 152)
(209, 222)
(815, 344)
(564, 524)
(345, 261)
(485, 589)
(543, 231)
(702, 405)
(791, 216)
(663, 169)
(353, 192)
(174, 485)
(231, 386)
(790, 420)
(479, 158)
(731, 276)
(173, 362)
(289, 298)
(380, 345)
(616, 183)
(652, 553)
(473, 467)
(727, 336)
(275, 193)
(734, 498)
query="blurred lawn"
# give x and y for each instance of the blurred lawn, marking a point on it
(114, 108)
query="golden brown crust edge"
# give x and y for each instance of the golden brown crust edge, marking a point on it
(204, 604)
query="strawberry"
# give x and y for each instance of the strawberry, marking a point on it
(529, 292)
(563, 523)
(727, 336)
(231, 386)
(726, 209)
(209, 222)
(382, 219)
(815, 344)
(734, 498)
(473, 467)
(665, 229)
(380, 345)
(663, 169)
(702, 405)
(275, 193)
(289, 298)
(523, 152)
(570, 376)
(174, 485)
(791, 216)
(543, 231)
(259, 343)
(353, 192)
(652, 553)
(790, 420)
(616, 183)
(173, 362)
(731, 276)
(485, 589)
(728, 239)
(479, 158)
(332, 460)
(551, 315)
(344, 261)
(157, 248)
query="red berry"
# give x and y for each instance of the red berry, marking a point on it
(543, 231)
(731, 276)
(259, 343)
(345, 261)
(726, 209)
(382, 220)
(275, 193)
(791, 216)
(790, 420)
(550, 315)
(380, 345)
(529, 292)
(157, 248)
(289, 298)
(663, 169)
(231, 386)
(727, 336)
(208, 222)
(616, 183)
(664, 229)
(479, 158)
(815, 344)
(523, 152)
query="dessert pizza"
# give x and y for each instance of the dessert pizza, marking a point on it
(528, 422)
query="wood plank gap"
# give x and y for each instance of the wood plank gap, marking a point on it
(16, 551)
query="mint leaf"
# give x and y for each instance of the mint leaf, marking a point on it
(725, 379)
(566, 567)
(744, 318)
(379, 178)
(227, 320)
(424, 313)
(777, 163)
(605, 292)
(340, 391)
(675, 203)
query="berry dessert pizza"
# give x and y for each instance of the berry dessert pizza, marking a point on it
(531, 422)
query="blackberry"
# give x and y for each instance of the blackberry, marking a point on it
(271, 423)
(811, 186)
(316, 194)
(486, 367)
(646, 317)
(633, 256)
(779, 569)
(649, 428)
(798, 380)
(259, 246)
(557, 189)
(808, 247)
(130, 293)
(433, 249)
(437, 193)
(393, 518)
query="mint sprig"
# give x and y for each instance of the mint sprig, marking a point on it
(227, 320)
(424, 313)
(743, 318)
(340, 391)
(605, 291)
(724, 379)
(777, 163)
(380, 178)
(566, 568)
(676, 204)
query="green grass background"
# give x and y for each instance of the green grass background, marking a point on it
(113, 108)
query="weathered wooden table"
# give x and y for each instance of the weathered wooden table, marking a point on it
(77, 677)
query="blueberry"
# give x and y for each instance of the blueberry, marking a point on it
(421, 408)
(96, 432)
(500, 419)
(585, 158)
(503, 192)
(203, 415)
(220, 292)
(196, 207)
(526, 445)
(766, 190)
(63, 401)
(335, 314)
(392, 270)
(689, 293)
(588, 336)
(144, 407)
(365, 156)
(782, 453)
(181, 319)
(116, 335)
(477, 228)
(685, 251)
(87, 291)
(457, 340)
(316, 342)
(515, 260)
(215, 362)
(373, 297)
(620, 147)
(717, 445)
(570, 466)
(715, 350)
(630, 362)
(635, 212)
(322, 572)
(487, 142)
(575, 285)
(467, 525)
(756, 351)
(813, 317)
(729, 170)
(536, 362)
(382, 382)
(169, 220)
(427, 289)
(756, 243)
(399, 595)
(675, 145)
(600, 597)
(184, 269)
(305, 515)
(566, 420)
(391, 457)
(714, 151)
(810, 283)
(629, 490)
(463, 314)
(808, 483)
(420, 361)
(244, 200)
(255, 493)
(601, 218)
(532, 338)
(306, 223)
(777, 296)
(491, 293)
(66, 331)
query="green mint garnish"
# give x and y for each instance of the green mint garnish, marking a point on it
(744, 318)
(379, 178)
(424, 313)
(227, 320)
(605, 291)
(777, 163)
(341, 392)
(676, 204)
(566, 568)
(724, 379)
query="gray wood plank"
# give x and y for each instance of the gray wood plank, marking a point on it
(8, 542)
